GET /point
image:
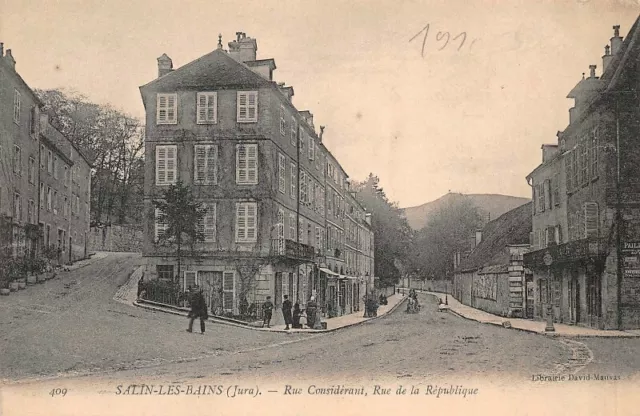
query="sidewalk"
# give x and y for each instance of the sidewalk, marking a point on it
(561, 330)
(128, 291)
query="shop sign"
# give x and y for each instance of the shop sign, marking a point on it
(631, 258)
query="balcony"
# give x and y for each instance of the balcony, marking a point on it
(585, 249)
(292, 250)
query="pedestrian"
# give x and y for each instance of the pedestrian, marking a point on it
(286, 311)
(296, 316)
(140, 285)
(312, 307)
(198, 310)
(267, 309)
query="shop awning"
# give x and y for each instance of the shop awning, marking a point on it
(329, 272)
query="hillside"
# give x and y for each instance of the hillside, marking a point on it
(492, 205)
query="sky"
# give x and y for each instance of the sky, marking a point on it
(430, 96)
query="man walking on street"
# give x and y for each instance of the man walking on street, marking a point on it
(267, 308)
(286, 311)
(198, 310)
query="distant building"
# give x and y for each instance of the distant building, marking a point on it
(277, 216)
(492, 277)
(586, 216)
(45, 182)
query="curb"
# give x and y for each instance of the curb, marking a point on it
(532, 331)
(176, 311)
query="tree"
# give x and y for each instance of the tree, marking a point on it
(448, 230)
(182, 217)
(392, 234)
(114, 143)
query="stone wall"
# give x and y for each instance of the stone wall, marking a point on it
(125, 238)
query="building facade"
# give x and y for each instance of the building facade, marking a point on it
(275, 196)
(586, 267)
(44, 180)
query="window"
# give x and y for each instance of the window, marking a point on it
(292, 226)
(312, 148)
(556, 189)
(49, 195)
(32, 170)
(547, 194)
(247, 164)
(16, 107)
(41, 196)
(160, 224)
(165, 272)
(43, 157)
(65, 207)
(77, 205)
(207, 111)
(301, 233)
(31, 212)
(17, 209)
(55, 202)
(318, 237)
(247, 111)
(166, 163)
(301, 141)
(317, 154)
(55, 167)
(590, 219)
(228, 291)
(208, 225)
(576, 168)
(541, 200)
(584, 163)
(311, 190)
(568, 160)
(558, 234)
(283, 124)
(303, 186)
(294, 176)
(33, 121)
(280, 231)
(294, 132)
(49, 162)
(17, 160)
(66, 176)
(594, 155)
(205, 164)
(246, 222)
(282, 173)
(166, 109)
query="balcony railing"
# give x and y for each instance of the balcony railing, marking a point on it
(592, 248)
(292, 249)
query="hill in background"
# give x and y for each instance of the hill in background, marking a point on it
(491, 207)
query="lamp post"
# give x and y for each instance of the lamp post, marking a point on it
(548, 260)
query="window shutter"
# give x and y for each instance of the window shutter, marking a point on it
(202, 108)
(547, 194)
(311, 148)
(200, 163)
(241, 164)
(252, 163)
(569, 171)
(212, 164)
(251, 221)
(241, 222)
(161, 226)
(242, 106)
(171, 108)
(282, 173)
(252, 111)
(294, 176)
(209, 229)
(161, 165)
(228, 291)
(294, 132)
(534, 198)
(171, 164)
(590, 219)
(247, 106)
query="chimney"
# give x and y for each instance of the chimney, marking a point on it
(321, 133)
(244, 48)
(478, 237)
(308, 118)
(165, 65)
(592, 71)
(616, 40)
(1, 49)
(8, 58)
(606, 58)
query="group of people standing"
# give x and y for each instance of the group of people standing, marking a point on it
(292, 317)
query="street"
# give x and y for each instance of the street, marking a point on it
(71, 326)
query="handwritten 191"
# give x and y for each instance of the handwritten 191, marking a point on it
(443, 38)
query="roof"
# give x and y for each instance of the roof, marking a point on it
(22, 81)
(512, 227)
(215, 69)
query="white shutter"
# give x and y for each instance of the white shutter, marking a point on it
(252, 221)
(241, 164)
(212, 164)
(209, 223)
(294, 176)
(282, 173)
(199, 163)
(590, 219)
(202, 108)
(252, 106)
(280, 231)
(241, 222)
(252, 163)
(228, 291)
(292, 226)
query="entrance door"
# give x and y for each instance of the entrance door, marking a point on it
(211, 284)
(278, 290)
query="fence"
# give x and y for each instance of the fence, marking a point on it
(160, 291)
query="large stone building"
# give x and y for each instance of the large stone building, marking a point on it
(586, 220)
(44, 180)
(275, 195)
